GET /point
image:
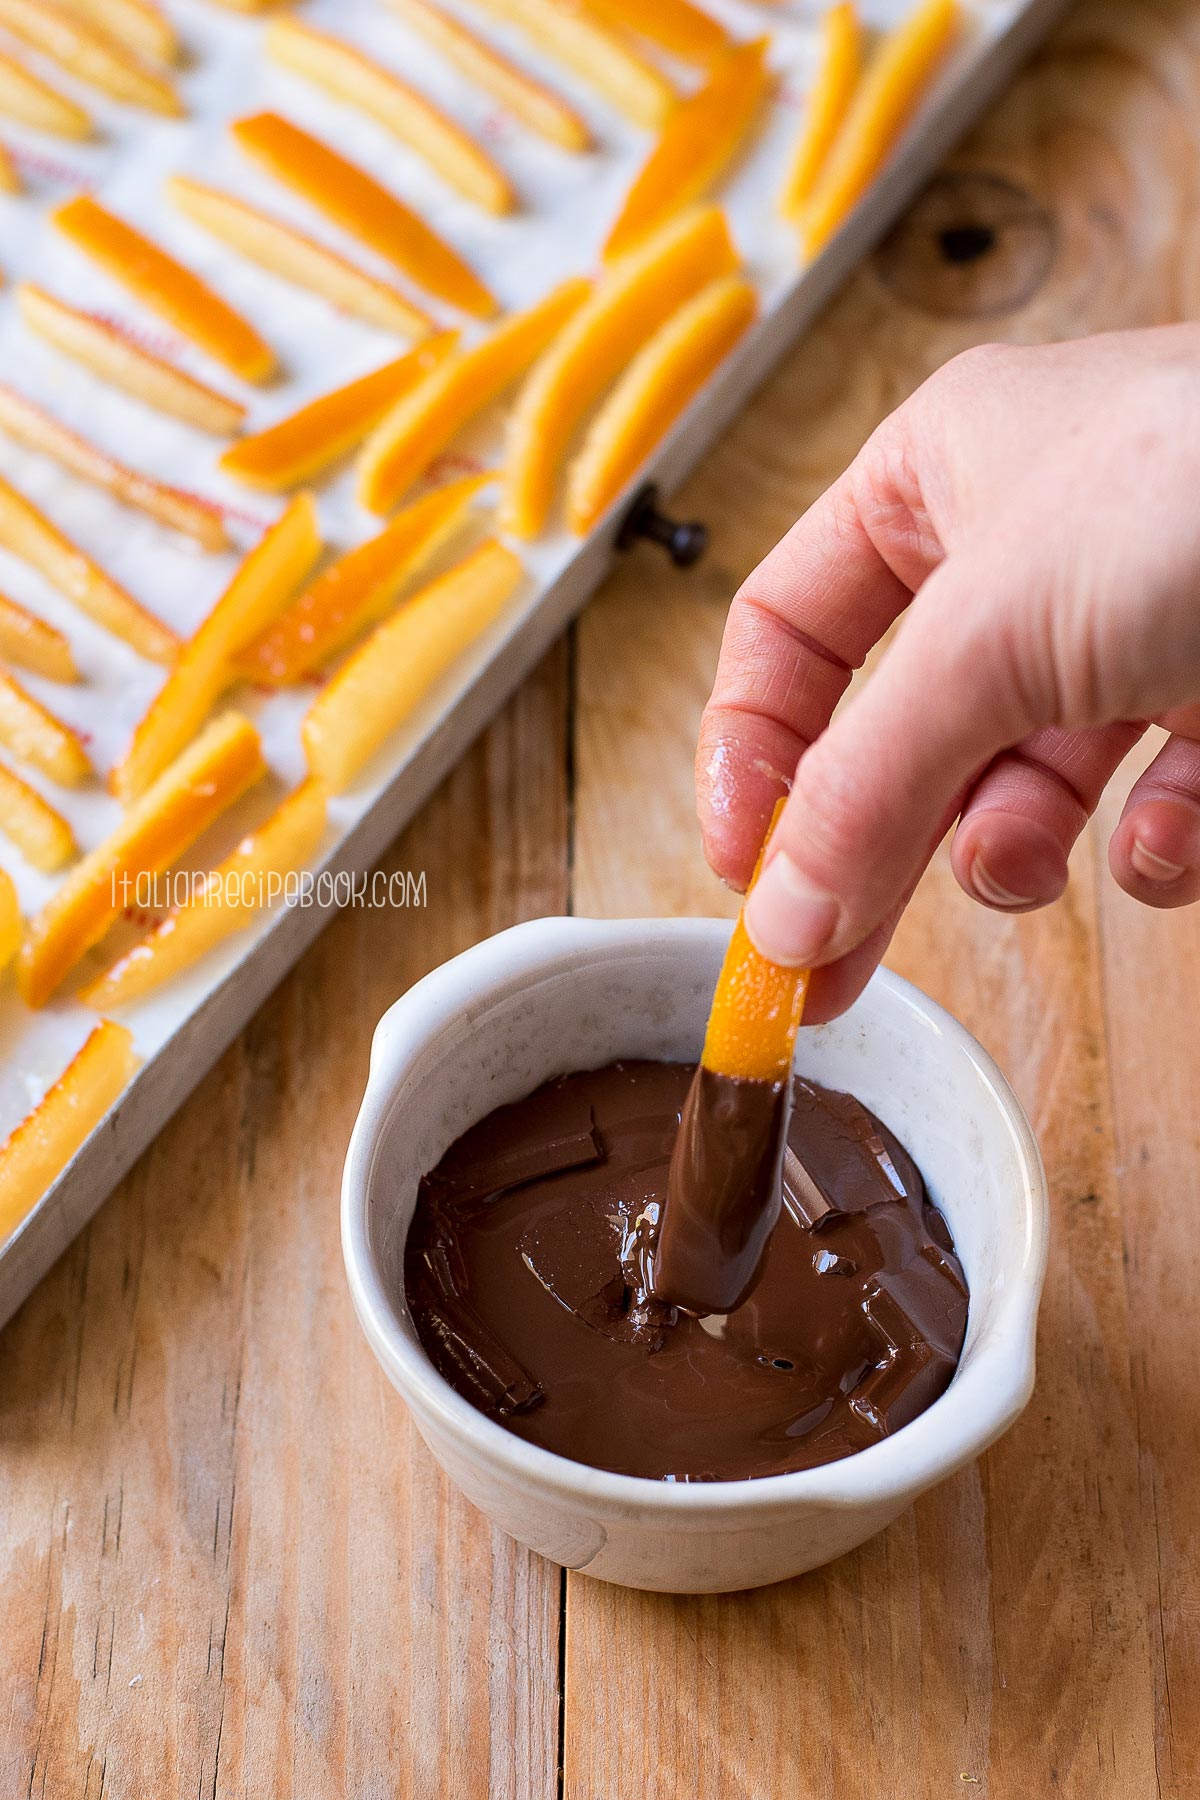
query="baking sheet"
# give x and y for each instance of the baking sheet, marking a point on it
(568, 202)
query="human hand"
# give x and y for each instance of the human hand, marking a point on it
(1033, 514)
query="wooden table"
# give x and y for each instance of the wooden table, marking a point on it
(229, 1566)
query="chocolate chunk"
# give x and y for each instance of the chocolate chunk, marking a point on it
(801, 1195)
(484, 1165)
(940, 1253)
(850, 1155)
(487, 1374)
(912, 1371)
(445, 1269)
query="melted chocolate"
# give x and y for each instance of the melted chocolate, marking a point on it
(530, 1286)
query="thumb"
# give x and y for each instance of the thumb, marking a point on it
(879, 785)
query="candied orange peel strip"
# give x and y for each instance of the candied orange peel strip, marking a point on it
(363, 207)
(358, 588)
(423, 421)
(248, 879)
(28, 424)
(392, 672)
(293, 256)
(27, 98)
(335, 66)
(10, 180)
(138, 24)
(698, 142)
(90, 53)
(534, 104)
(110, 353)
(166, 287)
(36, 1153)
(572, 33)
(638, 293)
(896, 78)
(38, 829)
(30, 535)
(10, 919)
(757, 1006)
(826, 105)
(35, 736)
(663, 377)
(676, 26)
(267, 578)
(305, 443)
(185, 800)
(33, 644)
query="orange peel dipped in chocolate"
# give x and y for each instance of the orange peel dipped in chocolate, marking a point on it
(725, 1186)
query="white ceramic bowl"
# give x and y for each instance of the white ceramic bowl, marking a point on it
(561, 994)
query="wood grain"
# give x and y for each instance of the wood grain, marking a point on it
(228, 1566)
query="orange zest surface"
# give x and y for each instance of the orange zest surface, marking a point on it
(35, 736)
(698, 142)
(826, 104)
(536, 105)
(249, 878)
(676, 26)
(339, 69)
(35, 1154)
(663, 377)
(10, 919)
(88, 52)
(423, 421)
(363, 207)
(38, 829)
(283, 557)
(757, 1007)
(218, 768)
(392, 672)
(28, 424)
(30, 100)
(292, 255)
(116, 357)
(30, 535)
(138, 24)
(576, 36)
(358, 588)
(638, 293)
(33, 644)
(886, 98)
(165, 286)
(305, 443)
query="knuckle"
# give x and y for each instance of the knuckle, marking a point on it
(885, 491)
(978, 364)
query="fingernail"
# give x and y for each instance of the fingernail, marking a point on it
(789, 920)
(1152, 867)
(989, 890)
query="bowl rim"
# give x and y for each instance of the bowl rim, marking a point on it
(959, 1425)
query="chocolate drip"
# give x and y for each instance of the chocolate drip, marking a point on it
(533, 1298)
(724, 1190)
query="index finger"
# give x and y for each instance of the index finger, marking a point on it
(797, 629)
